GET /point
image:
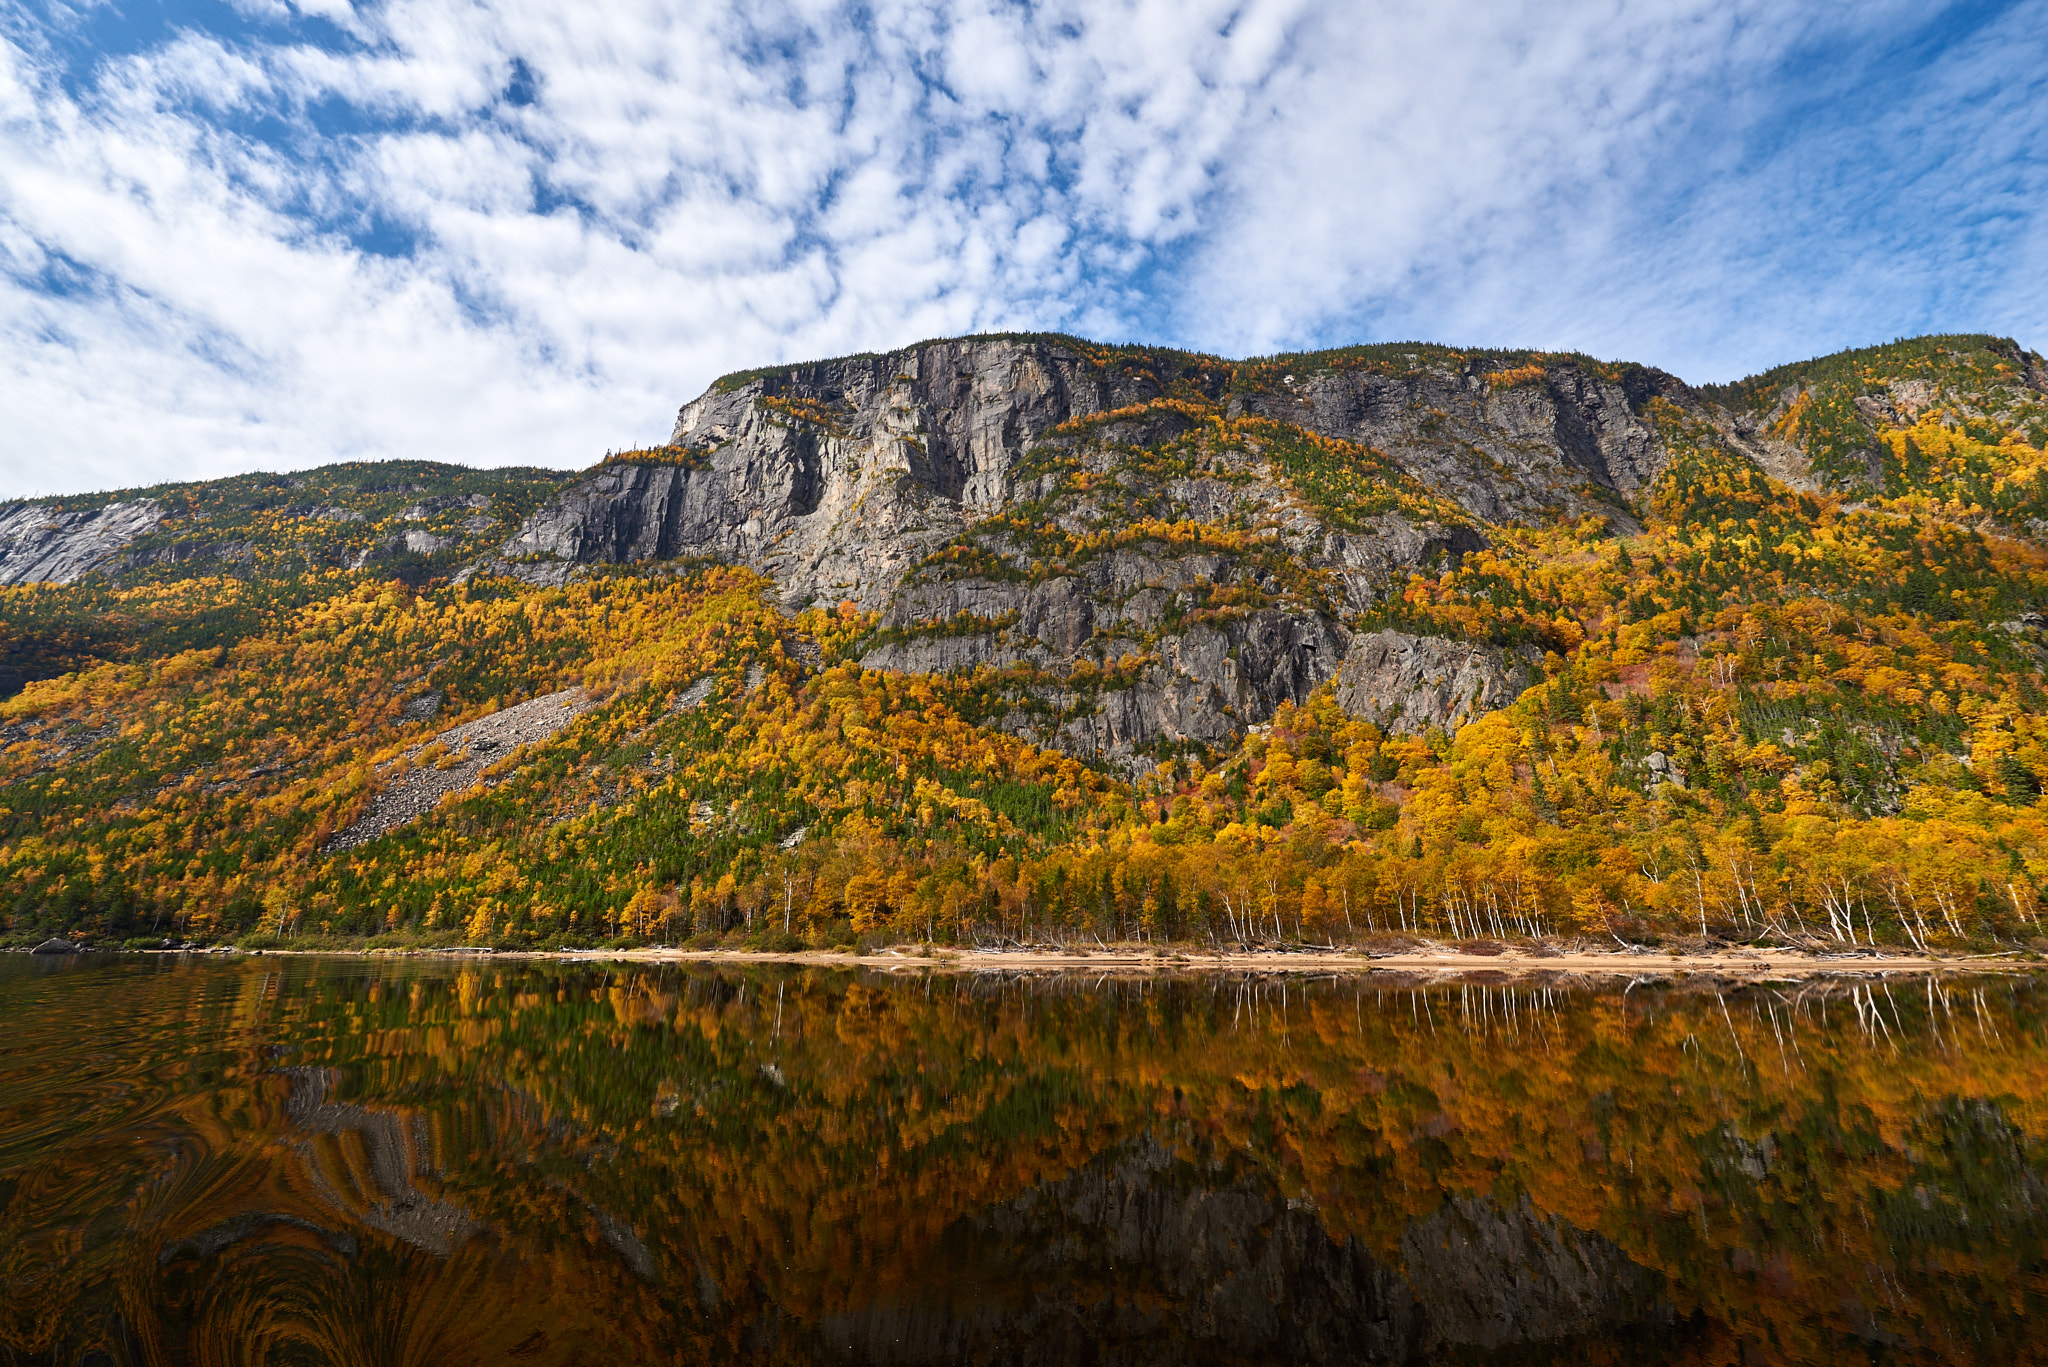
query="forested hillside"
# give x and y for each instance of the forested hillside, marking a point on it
(1028, 638)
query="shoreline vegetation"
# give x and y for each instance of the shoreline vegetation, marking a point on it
(1515, 959)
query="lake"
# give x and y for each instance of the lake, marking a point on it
(308, 1160)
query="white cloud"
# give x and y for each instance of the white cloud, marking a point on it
(190, 277)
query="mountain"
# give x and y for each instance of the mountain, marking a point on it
(1018, 635)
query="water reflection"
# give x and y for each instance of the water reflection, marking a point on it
(340, 1161)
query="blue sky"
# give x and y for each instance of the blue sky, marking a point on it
(258, 234)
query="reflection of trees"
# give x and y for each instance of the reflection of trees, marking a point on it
(711, 1160)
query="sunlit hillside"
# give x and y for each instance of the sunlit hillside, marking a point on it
(1786, 688)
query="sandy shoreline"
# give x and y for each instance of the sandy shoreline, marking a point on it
(1731, 964)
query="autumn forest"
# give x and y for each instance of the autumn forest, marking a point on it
(1787, 689)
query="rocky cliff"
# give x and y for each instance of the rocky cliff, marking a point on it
(838, 476)
(415, 517)
(835, 477)
(1411, 683)
(1155, 548)
(1507, 443)
(1149, 550)
(41, 544)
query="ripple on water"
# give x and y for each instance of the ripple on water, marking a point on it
(343, 1160)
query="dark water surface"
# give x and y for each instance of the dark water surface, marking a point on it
(341, 1161)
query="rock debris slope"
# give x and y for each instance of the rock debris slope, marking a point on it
(466, 751)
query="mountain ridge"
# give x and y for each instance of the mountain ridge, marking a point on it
(1025, 610)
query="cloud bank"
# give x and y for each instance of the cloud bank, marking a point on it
(269, 235)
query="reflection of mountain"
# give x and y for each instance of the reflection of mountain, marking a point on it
(338, 1232)
(364, 1163)
(544, 1164)
(1145, 1256)
(1142, 1255)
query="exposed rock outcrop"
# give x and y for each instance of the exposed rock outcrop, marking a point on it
(847, 479)
(428, 508)
(41, 545)
(58, 743)
(1411, 683)
(194, 552)
(397, 545)
(1125, 650)
(836, 477)
(425, 707)
(1505, 451)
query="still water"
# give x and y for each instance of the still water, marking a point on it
(341, 1161)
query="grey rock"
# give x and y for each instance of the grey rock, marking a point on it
(61, 743)
(1201, 685)
(188, 552)
(1784, 461)
(694, 696)
(55, 946)
(425, 707)
(431, 507)
(1505, 453)
(41, 545)
(471, 749)
(399, 543)
(906, 449)
(1662, 770)
(839, 478)
(540, 572)
(1368, 562)
(1410, 683)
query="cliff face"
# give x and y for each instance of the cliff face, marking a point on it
(834, 477)
(39, 544)
(1158, 547)
(1410, 683)
(1148, 540)
(1506, 449)
(838, 476)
